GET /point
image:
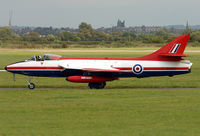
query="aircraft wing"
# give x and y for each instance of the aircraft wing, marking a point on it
(91, 68)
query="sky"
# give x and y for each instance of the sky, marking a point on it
(99, 13)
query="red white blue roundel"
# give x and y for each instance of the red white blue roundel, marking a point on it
(137, 69)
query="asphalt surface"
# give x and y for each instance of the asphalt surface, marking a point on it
(4, 89)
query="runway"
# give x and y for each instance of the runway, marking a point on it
(37, 89)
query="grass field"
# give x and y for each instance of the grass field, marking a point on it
(123, 108)
(111, 112)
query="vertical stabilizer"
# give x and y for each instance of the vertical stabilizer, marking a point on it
(173, 51)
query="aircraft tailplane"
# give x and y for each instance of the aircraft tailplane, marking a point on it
(173, 51)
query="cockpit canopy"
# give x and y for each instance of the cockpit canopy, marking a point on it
(44, 57)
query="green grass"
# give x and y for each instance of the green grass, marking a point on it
(109, 112)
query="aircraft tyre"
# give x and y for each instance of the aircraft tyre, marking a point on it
(97, 85)
(31, 86)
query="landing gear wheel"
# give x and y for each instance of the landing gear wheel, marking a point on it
(97, 85)
(31, 86)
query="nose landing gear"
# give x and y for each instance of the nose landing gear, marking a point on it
(30, 85)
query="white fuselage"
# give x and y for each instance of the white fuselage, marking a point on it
(136, 68)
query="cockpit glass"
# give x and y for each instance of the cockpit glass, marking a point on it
(32, 58)
(35, 58)
(45, 57)
(50, 56)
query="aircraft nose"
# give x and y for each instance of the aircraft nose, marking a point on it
(5, 68)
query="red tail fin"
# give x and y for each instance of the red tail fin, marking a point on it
(173, 51)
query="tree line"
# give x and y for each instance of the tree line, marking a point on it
(89, 36)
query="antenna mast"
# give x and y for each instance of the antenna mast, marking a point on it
(10, 18)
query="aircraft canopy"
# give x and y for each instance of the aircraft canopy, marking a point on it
(44, 57)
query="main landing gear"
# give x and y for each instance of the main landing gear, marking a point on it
(30, 85)
(97, 85)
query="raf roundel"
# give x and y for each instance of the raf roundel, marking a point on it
(137, 69)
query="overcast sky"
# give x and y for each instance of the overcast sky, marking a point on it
(98, 13)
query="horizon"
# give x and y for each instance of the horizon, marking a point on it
(103, 26)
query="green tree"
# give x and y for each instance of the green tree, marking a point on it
(7, 34)
(67, 36)
(87, 32)
(163, 33)
(117, 36)
(101, 36)
(50, 38)
(195, 36)
(142, 37)
(33, 37)
(84, 26)
(155, 39)
(129, 36)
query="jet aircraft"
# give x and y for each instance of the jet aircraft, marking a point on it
(167, 61)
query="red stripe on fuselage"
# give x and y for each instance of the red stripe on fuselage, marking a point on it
(120, 68)
(155, 68)
(166, 68)
(35, 68)
(123, 68)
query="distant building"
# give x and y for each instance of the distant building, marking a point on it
(146, 29)
(120, 23)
